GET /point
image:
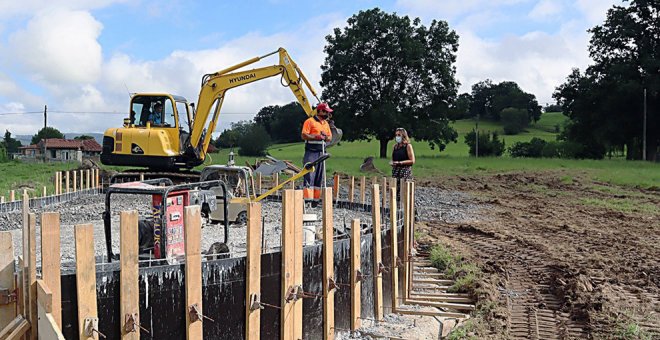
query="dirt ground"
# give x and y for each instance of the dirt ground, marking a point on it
(559, 262)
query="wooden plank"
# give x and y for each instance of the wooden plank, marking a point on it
(288, 258)
(431, 313)
(276, 181)
(82, 181)
(12, 195)
(363, 190)
(395, 254)
(456, 306)
(32, 276)
(253, 281)
(44, 192)
(2, 199)
(75, 181)
(21, 282)
(55, 181)
(18, 327)
(98, 182)
(48, 328)
(89, 179)
(298, 262)
(128, 276)
(454, 299)
(328, 266)
(335, 186)
(406, 239)
(411, 233)
(258, 191)
(378, 257)
(67, 184)
(383, 202)
(7, 312)
(85, 278)
(356, 285)
(351, 190)
(51, 255)
(192, 220)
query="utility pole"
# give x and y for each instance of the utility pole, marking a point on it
(644, 132)
(45, 115)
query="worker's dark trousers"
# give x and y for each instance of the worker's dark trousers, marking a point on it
(313, 181)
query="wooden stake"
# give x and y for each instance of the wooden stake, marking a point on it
(98, 182)
(363, 190)
(356, 285)
(88, 175)
(129, 289)
(55, 181)
(253, 281)
(411, 233)
(32, 275)
(378, 258)
(335, 186)
(75, 181)
(298, 262)
(393, 246)
(141, 177)
(328, 266)
(82, 176)
(25, 308)
(8, 311)
(406, 238)
(2, 199)
(287, 321)
(258, 191)
(67, 182)
(12, 195)
(351, 190)
(276, 181)
(51, 261)
(48, 328)
(384, 191)
(193, 238)
(44, 193)
(85, 278)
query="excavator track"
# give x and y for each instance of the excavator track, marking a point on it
(134, 175)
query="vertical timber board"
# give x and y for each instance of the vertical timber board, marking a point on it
(253, 281)
(55, 182)
(411, 233)
(75, 181)
(48, 328)
(67, 184)
(192, 220)
(51, 255)
(85, 278)
(383, 202)
(98, 182)
(23, 309)
(288, 248)
(363, 190)
(351, 190)
(12, 195)
(82, 180)
(258, 191)
(406, 237)
(44, 193)
(355, 266)
(378, 281)
(328, 266)
(335, 186)
(276, 181)
(298, 262)
(129, 291)
(89, 179)
(393, 247)
(7, 312)
(32, 275)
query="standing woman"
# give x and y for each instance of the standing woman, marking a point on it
(403, 158)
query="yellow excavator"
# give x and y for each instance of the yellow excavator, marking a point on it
(166, 133)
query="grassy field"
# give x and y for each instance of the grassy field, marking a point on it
(454, 161)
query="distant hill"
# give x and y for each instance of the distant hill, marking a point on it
(26, 139)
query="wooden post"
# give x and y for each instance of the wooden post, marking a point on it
(253, 281)
(98, 182)
(405, 199)
(383, 203)
(411, 233)
(2, 199)
(8, 311)
(363, 190)
(32, 274)
(82, 181)
(395, 256)
(258, 191)
(193, 239)
(276, 181)
(44, 192)
(86, 280)
(25, 309)
(66, 182)
(335, 186)
(328, 266)
(51, 261)
(293, 185)
(88, 176)
(12, 195)
(75, 181)
(48, 328)
(141, 177)
(291, 313)
(356, 285)
(351, 190)
(378, 282)
(55, 182)
(128, 275)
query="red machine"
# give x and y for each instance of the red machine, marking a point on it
(172, 245)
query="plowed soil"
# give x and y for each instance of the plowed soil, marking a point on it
(564, 256)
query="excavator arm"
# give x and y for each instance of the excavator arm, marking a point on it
(215, 85)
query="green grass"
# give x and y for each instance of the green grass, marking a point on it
(31, 176)
(621, 204)
(632, 331)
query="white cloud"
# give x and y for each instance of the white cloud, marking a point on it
(450, 9)
(9, 8)
(59, 47)
(545, 9)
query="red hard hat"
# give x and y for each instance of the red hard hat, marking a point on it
(323, 107)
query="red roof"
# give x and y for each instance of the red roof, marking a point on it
(89, 145)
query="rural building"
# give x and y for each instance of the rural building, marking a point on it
(61, 150)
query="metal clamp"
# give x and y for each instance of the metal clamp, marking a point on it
(131, 323)
(8, 296)
(195, 313)
(255, 302)
(293, 293)
(332, 285)
(381, 268)
(91, 326)
(358, 276)
(399, 262)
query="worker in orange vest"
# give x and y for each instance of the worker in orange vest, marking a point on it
(315, 132)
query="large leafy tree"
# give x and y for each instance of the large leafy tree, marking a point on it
(605, 103)
(488, 100)
(283, 123)
(45, 133)
(11, 143)
(383, 71)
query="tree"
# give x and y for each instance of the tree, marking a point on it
(3, 153)
(605, 103)
(83, 137)
(45, 133)
(282, 123)
(552, 108)
(11, 144)
(489, 143)
(488, 100)
(460, 108)
(383, 71)
(229, 138)
(513, 120)
(254, 141)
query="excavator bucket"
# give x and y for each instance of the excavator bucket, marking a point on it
(336, 134)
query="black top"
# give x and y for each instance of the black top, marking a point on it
(400, 154)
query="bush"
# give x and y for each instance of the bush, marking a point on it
(513, 120)
(551, 150)
(3, 154)
(489, 143)
(254, 141)
(533, 148)
(441, 258)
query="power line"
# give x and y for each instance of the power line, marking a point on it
(103, 112)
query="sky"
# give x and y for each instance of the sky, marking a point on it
(82, 58)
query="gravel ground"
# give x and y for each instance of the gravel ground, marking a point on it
(431, 203)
